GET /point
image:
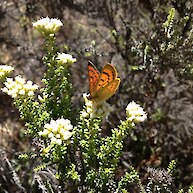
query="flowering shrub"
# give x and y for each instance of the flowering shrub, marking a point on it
(57, 131)
(72, 145)
(94, 109)
(135, 113)
(5, 71)
(65, 59)
(48, 26)
(19, 87)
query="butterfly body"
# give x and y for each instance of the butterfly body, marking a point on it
(102, 85)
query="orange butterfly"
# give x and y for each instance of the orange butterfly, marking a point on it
(102, 85)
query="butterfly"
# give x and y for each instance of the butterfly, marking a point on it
(102, 85)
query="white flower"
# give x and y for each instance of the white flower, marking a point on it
(65, 59)
(42, 98)
(57, 131)
(19, 87)
(95, 109)
(19, 80)
(48, 26)
(135, 113)
(5, 70)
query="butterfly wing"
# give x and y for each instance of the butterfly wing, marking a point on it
(108, 90)
(108, 74)
(107, 84)
(102, 85)
(93, 77)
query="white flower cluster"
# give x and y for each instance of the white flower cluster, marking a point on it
(18, 87)
(135, 113)
(48, 26)
(5, 70)
(57, 131)
(65, 59)
(94, 109)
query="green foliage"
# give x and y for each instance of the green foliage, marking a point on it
(55, 98)
(172, 167)
(89, 160)
(33, 113)
(155, 58)
(169, 22)
(158, 115)
(72, 173)
(41, 167)
(190, 190)
(58, 99)
(130, 178)
(58, 89)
